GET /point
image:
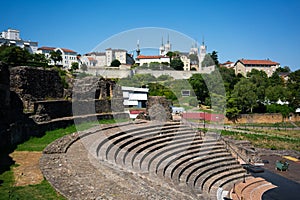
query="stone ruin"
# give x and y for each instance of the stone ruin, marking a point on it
(158, 109)
(35, 84)
(32, 97)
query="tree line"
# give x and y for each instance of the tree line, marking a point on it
(17, 56)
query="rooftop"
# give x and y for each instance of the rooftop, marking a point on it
(53, 48)
(258, 62)
(150, 57)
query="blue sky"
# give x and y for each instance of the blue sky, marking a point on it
(235, 29)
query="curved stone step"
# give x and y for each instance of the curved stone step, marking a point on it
(190, 175)
(115, 138)
(193, 161)
(147, 149)
(220, 174)
(165, 161)
(139, 145)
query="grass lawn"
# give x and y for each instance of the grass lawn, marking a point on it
(271, 139)
(39, 191)
(39, 143)
(274, 125)
(43, 190)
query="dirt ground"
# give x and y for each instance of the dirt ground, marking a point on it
(28, 170)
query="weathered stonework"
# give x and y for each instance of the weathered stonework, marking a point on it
(159, 108)
(34, 84)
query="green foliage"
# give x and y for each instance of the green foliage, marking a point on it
(199, 87)
(40, 191)
(74, 66)
(62, 74)
(39, 143)
(14, 55)
(285, 110)
(156, 89)
(214, 56)
(164, 78)
(115, 63)
(284, 69)
(56, 56)
(193, 102)
(177, 64)
(275, 93)
(245, 94)
(261, 81)
(293, 86)
(208, 61)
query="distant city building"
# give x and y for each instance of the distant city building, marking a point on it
(11, 37)
(184, 57)
(165, 48)
(142, 59)
(101, 59)
(68, 56)
(228, 64)
(202, 54)
(134, 98)
(244, 66)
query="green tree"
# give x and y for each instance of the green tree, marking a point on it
(293, 85)
(284, 69)
(275, 93)
(285, 110)
(275, 80)
(214, 56)
(193, 102)
(74, 66)
(261, 81)
(40, 59)
(177, 64)
(115, 63)
(199, 87)
(245, 94)
(170, 54)
(207, 61)
(14, 55)
(56, 56)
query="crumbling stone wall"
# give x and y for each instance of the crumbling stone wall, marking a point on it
(159, 108)
(35, 84)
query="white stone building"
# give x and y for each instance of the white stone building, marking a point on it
(165, 48)
(134, 98)
(244, 66)
(102, 59)
(184, 57)
(68, 56)
(11, 37)
(142, 59)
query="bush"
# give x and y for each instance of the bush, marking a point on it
(193, 102)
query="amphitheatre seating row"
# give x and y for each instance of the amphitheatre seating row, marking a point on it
(173, 152)
(252, 188)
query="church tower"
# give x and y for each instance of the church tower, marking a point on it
(162, 48)
(168, 46)
(202, 53)
(138, 51)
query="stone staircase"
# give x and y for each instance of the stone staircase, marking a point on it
(175, 153)
(155, 158)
